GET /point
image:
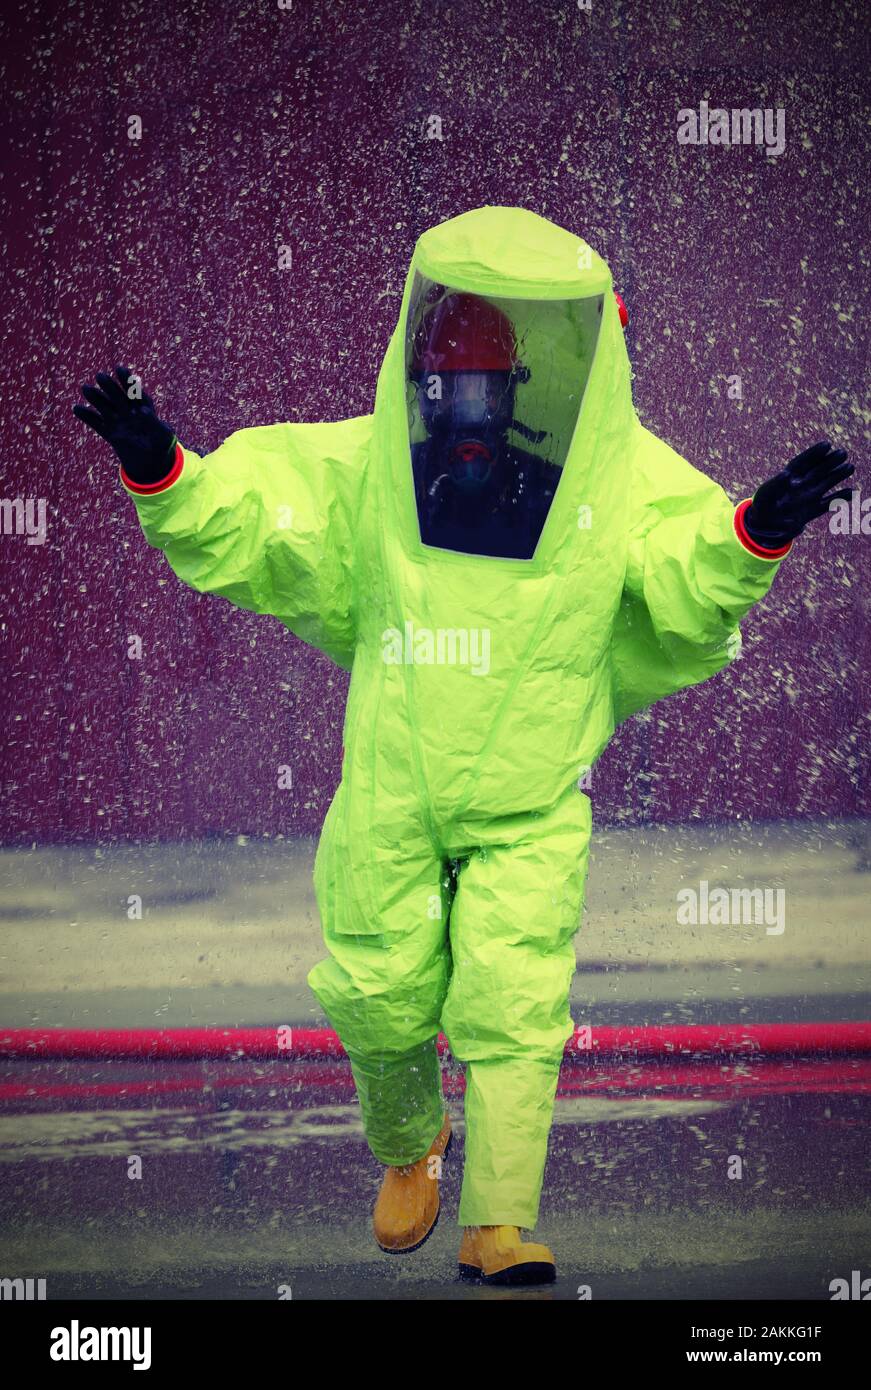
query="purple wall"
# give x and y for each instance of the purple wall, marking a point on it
(263, 127)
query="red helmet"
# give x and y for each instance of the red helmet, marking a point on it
(464, 333)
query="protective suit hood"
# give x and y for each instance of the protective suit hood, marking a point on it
(558, 293)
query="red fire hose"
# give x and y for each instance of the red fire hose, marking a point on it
(297, 1043)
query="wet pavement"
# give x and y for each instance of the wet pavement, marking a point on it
(229, 931)
(701, 1178)
(255, 1176)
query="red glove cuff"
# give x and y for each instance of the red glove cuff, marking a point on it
(747, 541)
(148, 488)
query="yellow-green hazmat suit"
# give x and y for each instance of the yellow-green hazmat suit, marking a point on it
(450, 871)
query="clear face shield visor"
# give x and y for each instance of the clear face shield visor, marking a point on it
(494, 388)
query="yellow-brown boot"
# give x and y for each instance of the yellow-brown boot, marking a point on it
(497, 1255)
(407, 1208)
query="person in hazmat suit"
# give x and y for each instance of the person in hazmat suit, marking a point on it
(510, 565)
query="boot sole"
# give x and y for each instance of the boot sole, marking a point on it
(410, 1249)
(530, 1273)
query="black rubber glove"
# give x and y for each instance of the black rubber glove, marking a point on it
(143, 442)
(782, 507)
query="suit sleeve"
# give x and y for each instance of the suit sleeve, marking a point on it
(268, 521)
(692, 574)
